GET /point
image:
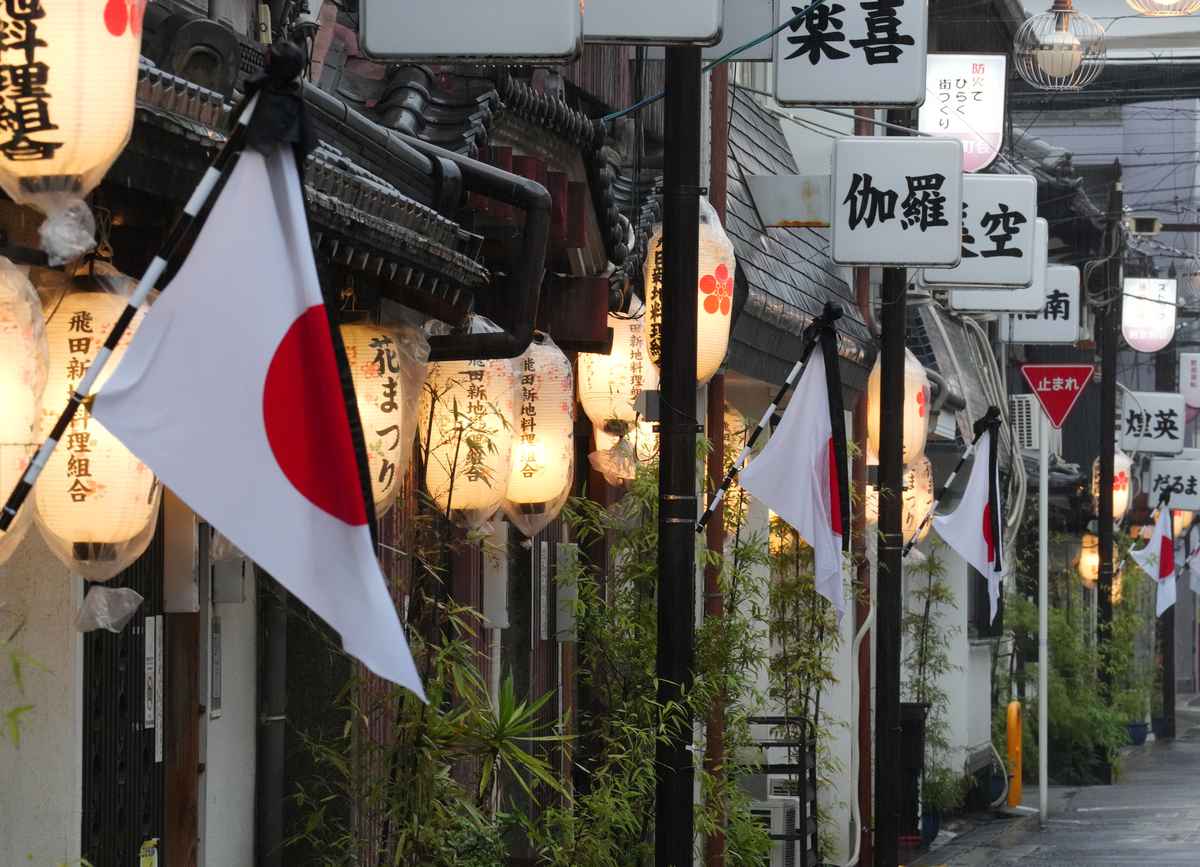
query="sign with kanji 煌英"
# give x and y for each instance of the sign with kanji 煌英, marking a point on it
(1057, 387)
(1180, 477)
(897, 202)
(1152, 421)
(964, 98)
(998, 234)
(649, 22)
(1058, 319)
(1010, 300)
(1148, 313)
(851, 52)
(1189, 378)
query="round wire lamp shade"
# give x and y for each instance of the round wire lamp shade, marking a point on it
(1164, 8)
(1060, 49)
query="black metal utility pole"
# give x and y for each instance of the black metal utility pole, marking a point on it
(1108, 333)
(674, 773)
(889, 595)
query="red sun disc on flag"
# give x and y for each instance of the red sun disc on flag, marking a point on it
(1057, 387)
(304, 410)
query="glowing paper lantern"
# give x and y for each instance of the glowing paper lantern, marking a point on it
(1088, 564)
(23, 364)
(916, 409)
(97, 504)
(1122, 484)
(388, 368)
(465, 423)
(609, 385)
(916, 499)
(1148, 313)
(1181, 521)
(715, 303)
(544, 449)
(70, 94)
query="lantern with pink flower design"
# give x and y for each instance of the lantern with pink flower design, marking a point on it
(1121, 490)
(715, 303)
(916, 410)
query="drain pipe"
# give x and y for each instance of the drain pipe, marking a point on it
(272, 722)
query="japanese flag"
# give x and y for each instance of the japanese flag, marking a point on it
(1157, 559)
(800, 477)
(233, 394)
(975, 528)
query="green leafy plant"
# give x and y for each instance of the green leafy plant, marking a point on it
(17, 663)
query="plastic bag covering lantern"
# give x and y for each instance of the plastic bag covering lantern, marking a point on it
(465, 426)
(916, 410)
(69, 91)
(543, 438)
(715, 303)
(1060, 49)
(388, 367)
(609, 385)
(916, 500)
(24, 360)
(97, 504)
(1122, 481)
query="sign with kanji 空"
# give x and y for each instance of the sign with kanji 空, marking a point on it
(999, 214)
(1009, 299)
(851, 52)
(1181, 478)
(1057, 387)
(897, 202)
(964, 98)
(1152, 421)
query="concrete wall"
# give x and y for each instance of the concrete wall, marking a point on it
(41, 782)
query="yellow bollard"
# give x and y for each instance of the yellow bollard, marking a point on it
(1014, 754)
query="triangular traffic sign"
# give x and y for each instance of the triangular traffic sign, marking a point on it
(1057, 387)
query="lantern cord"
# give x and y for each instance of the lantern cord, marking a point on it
(811, 335)
(221, 165)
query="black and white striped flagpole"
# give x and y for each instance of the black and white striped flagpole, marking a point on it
(221, 165)
(986, 423)
(811, 335)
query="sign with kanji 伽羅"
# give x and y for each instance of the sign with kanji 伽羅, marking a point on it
(1010, 299)
(1152, 421)
(964, 98)
(897, 202)
(1057, 387)
(998, 236)
(1058, 319)
(1181, 477)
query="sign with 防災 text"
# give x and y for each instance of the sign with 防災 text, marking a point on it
(851, 52)
(543, 31)
(1152, 421)
(998, 235)
(1189, 378)
(1058, 319)
(650, 22)
(897, 202)
(1011, 300)
(1181, 478)
(1148, 313)
(964, 98)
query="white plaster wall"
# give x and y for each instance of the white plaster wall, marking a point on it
(41, 781)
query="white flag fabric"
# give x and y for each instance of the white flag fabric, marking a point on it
(1157, 559)
(231, 393)
(975, 528)
(795, 476)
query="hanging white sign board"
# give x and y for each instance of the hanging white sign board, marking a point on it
(1032, 297)
(1179, 476)
(852, 52)
(1148, 313)
(964, 98)
(1152, 421)
(897, 202)
(542, 31)
(1189, 378)
(651, 22)
(1058, 319)
(745, 21)
(998, 239)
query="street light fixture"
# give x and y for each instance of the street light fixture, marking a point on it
(1164, 8)
(1060, 49)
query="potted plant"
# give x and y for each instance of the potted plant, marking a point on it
(1131, 705)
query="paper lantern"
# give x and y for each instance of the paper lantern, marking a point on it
(609, 385)
(916, 409)
(388, 368)
(97, 504)
(1181, 521)
(1148, 313)
(1122, 484)
(70, 90)
(24, 360)
(465, 424)
(916, 500)
(544, 438)
(714, 312)
(1088, 564)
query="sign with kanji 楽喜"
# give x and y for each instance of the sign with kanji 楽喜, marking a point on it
(1058, 320)
(1057, 387)
(1152, 421)
(998, 236)
(897, 202)
(851, 52)
(1180, 477)
(964, 98)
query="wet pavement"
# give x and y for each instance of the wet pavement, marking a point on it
(1150, 817)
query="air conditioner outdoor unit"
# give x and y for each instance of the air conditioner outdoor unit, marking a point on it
(779, 816)
(1024, 413)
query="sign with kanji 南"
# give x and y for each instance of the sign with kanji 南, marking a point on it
(1057, 387)
(651, 22)
(897, 202)
(1189, 378)
(964, 98)
(1011, 299)
(998, 236)
(1181, 477)
(851, 52)
(1058, 320)
(1152, 421)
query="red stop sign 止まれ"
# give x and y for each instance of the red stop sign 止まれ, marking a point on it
(1057, 387)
